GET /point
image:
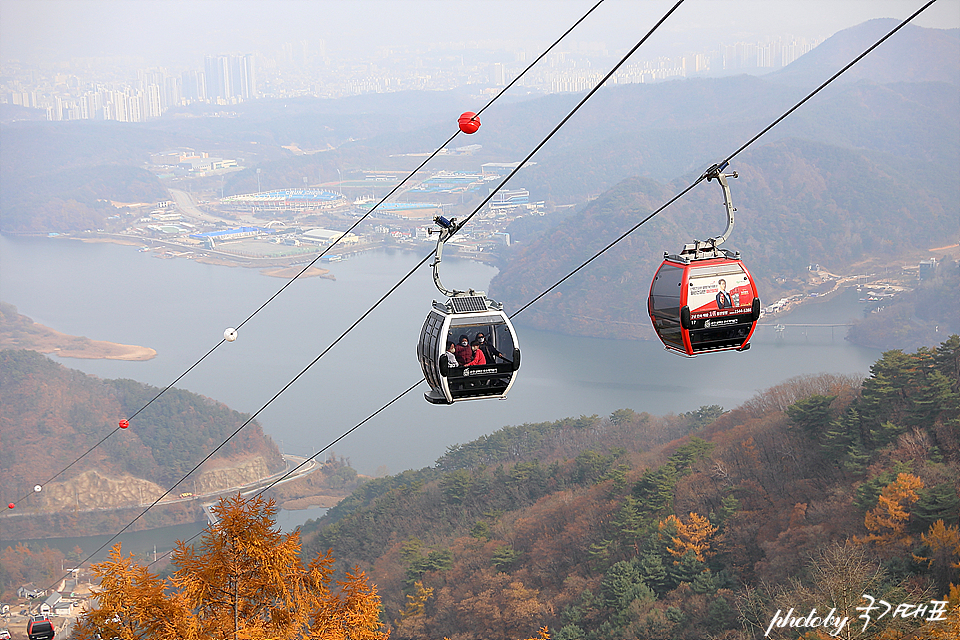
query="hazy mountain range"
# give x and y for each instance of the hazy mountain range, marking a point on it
(865, 170)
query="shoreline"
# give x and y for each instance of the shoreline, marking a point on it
(92, 349)
(20, 332)
(293, 272)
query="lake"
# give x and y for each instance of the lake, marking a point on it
(155, 541)
(180, 308)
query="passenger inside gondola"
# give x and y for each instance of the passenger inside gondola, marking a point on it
(490, 352)
(463, 351)
(451, 355)
(478, 357)
(487, 369)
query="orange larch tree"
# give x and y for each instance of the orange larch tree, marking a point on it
(887, 521)
(244, 581)
(694, 536)
(941, 544)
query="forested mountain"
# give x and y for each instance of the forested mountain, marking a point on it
(76, 199)
(50, 414)
(908, 57)
(817, 489)
(798, 202)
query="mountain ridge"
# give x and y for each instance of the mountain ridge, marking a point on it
(799, 203)
(50, 413)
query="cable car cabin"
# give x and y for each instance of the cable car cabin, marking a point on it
(704, 305)
(468, 316)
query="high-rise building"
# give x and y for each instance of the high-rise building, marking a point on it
(120, 108)
(171, 94)
(152, 107)
(217, 77)
(497, 75)
(83, 108)
(243, 77)
(135, 109)
(193, 86)
(230, 78)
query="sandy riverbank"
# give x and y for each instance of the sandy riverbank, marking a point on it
(20, 332)
(309, 502)
(291, 272)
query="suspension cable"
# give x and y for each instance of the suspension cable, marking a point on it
(537, 298)
(725, 161)
(325, 250)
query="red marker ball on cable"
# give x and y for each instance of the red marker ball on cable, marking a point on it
(11, 506)
(124, 424)
(469, 122)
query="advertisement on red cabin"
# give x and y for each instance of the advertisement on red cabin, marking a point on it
(719, 296)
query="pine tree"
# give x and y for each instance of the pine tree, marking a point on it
(946, 360)
(811, 415)
(884, 393)
(932, 397)
(653, 572)
(939, 502)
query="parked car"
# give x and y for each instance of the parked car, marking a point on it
(40, 628)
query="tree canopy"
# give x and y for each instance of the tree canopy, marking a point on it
(244, 580)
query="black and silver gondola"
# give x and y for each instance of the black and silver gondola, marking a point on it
(465, 313)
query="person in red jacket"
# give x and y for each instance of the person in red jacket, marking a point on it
(464, 353)
(478, 357)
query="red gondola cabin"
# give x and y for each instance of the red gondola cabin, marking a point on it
(704, 305)
(704, 299)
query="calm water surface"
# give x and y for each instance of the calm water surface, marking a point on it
(159, 541)
(180, 308)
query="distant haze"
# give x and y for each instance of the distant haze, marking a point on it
(172, 32)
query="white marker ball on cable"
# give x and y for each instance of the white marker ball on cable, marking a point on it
(37, 488)
(230, 334)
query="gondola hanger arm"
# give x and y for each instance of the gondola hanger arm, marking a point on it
(717, 172)
(447, 230)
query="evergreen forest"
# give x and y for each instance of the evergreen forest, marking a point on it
(49, 413)
(697, 525)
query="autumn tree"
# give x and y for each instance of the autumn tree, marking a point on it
(20, 565)
(245, 580)
(132, 604)
(836, 579)
(887, 521)
(941, 546)
(412, 621)
(694, 535)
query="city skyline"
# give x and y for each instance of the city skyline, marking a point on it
(177, 32)
(133, 88)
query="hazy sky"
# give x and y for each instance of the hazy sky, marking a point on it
(169, 32)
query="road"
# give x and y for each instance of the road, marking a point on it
(309, 466)
(188, 207)
(292, 462)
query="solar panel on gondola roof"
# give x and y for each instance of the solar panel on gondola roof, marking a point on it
(468, 304)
